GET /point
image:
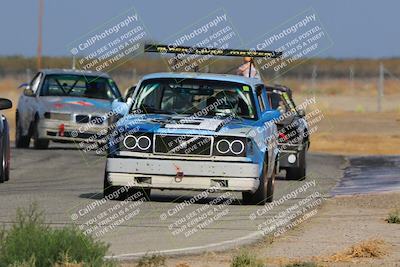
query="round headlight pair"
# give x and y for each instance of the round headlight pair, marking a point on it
(142, 142)
(224, 146)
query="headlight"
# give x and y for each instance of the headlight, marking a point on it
(230, 146)
(138, 142)
(223, 146)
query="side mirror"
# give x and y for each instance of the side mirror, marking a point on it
(119, 108)
(23, 85)
(270, 115)
(28, 91)
(301, 112)
(5, 103)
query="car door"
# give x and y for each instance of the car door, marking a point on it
(27, 107)
(269, 129)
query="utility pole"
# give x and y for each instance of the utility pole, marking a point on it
(39, 46)
(380, 86)
(73, 62)
(351, 77)
(313, 79)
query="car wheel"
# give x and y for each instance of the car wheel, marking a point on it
(112, 192)
(39, 143)
(299, 173)
(7, 160)
(265, 190)
(3, 167)
(21, 141)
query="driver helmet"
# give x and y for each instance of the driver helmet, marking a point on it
(227, 102)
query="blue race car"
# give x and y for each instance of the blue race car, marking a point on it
(193, 131)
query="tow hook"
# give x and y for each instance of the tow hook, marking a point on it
(61, 129)
(179, 174)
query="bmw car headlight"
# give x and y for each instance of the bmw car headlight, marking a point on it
(137, 142)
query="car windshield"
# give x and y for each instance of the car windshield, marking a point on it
(196, 97)
(80, 86)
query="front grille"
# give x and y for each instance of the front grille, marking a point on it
(96, 120)
(60, 116)
(82, 118)
(183, 145)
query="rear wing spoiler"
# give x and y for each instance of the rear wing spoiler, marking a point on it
(209, 51)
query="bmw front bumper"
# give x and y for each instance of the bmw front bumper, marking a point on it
(57, 130)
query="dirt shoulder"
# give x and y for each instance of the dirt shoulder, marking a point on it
(339, 224)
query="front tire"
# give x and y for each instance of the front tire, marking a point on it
(265, 190)
(112, 192)
(3, 166)
(21, 141)
(298, 174)
(39, 143)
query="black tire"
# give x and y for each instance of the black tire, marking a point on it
(265, 191)
(39, 143)
(7, 159)
(21, 141)
(3, 167)
(298, 174)
(111, 192)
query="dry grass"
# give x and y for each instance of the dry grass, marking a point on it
(359, 87)
(354, 133)
(372, 248)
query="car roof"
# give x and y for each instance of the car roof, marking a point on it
(278, 87)
(75, 72)
(204, 76)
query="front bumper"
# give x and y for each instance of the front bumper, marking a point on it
(71, 131)
(182, 174)
(290, 156)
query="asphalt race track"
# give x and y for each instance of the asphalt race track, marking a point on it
(370, 174)
(67, 184)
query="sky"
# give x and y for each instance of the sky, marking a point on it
(358, 28)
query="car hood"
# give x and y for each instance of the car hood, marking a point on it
(175, 124)
(74, 104)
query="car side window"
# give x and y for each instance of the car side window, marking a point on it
(268, 105)
(260, 98)
(35, 82)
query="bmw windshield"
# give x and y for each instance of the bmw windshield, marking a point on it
(80, 86)
(195, 97)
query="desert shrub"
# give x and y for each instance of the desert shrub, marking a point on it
(394, 217)
(30, 242)
(154, 260)
(246, 259)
